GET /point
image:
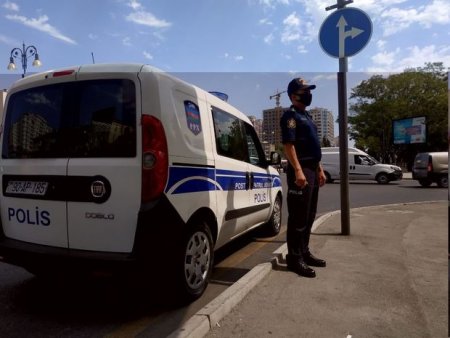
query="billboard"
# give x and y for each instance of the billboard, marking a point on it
(410, 130)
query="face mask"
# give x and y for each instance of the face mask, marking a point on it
(304, 98)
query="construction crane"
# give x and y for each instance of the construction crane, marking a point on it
(277, 97)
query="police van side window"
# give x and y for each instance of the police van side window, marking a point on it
(255, 150)
(94, 118)
(229, 134)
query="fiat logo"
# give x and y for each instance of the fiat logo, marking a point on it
(98, 189)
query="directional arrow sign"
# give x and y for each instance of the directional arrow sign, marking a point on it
(345, 32)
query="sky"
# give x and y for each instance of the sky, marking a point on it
(249, 49)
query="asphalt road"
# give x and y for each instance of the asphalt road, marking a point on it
(117, 307)
(366, 193)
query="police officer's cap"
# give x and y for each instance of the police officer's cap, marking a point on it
(298, 84)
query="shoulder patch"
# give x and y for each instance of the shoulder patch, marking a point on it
(291, 124)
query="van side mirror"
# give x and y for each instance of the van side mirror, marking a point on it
(275, 158)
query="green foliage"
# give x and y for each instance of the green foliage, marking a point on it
(380, 100)
(325, 142)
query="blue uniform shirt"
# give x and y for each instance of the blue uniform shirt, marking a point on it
(297, 127)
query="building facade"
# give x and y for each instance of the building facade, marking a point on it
(324, 121)
(271, 130)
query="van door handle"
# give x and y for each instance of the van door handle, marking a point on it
(247, 180)
(252, 180)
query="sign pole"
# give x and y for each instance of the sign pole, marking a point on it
(343, 146)
(344, 33)
(343, 124)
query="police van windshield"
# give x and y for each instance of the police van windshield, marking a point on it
(374, 160)
(77, 119)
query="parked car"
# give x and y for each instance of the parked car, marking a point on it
(431, 168)
(114, 164)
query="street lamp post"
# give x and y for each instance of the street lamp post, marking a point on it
(23, 54)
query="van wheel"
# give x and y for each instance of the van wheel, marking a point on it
(443, 181)
(328, 176)
(197, 261)
(274, 225)
(382, 178)
(425, 183)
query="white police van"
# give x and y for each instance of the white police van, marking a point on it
(125, 163)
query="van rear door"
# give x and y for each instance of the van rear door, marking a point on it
(104, 168)
(34, 165)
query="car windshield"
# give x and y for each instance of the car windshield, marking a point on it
(373, 159)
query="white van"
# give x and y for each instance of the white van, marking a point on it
(361, 166)
(124, 163)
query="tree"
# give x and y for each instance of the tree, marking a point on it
(380, 100)
(325, 142)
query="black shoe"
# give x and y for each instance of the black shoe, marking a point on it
(298, 266)
(314, 261)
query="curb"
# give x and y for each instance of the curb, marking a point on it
(210, 315)
(207, 317)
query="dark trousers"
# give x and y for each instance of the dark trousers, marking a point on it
(302, 208)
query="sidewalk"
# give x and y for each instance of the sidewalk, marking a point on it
(389, 278)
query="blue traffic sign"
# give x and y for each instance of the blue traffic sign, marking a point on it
(345, 32)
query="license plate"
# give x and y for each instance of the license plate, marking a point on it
(27, 188)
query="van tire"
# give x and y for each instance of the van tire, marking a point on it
(273, 226)
(328, 176)
(443, 181)
(195, 262)
(382, 178)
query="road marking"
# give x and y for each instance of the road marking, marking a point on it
(132, 328)
(244, 253)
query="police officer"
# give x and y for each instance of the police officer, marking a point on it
(304, 176)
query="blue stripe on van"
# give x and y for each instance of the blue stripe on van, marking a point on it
(186, 179)
(194, 185)
(230, 179)
(276, 181)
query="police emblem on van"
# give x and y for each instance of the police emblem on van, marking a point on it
(193, 117)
